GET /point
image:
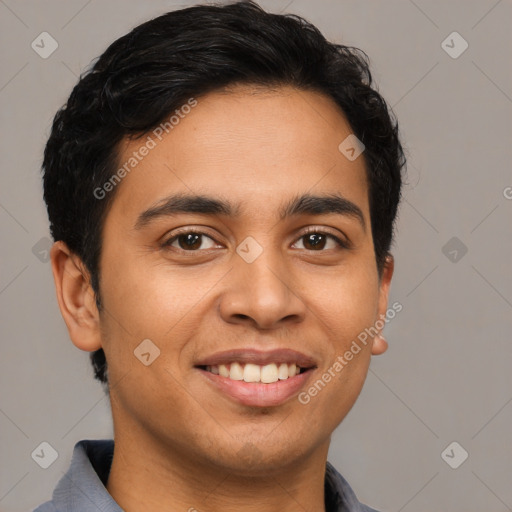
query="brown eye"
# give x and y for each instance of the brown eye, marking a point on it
(319, 241)
(314, 241)
(189, 241)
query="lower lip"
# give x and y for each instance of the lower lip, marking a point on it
(257, 394)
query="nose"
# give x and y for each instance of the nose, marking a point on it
(262, 293)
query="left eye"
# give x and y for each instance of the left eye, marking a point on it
(318, 240)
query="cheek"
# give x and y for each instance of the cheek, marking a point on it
(348, 308)
(346, 301)
(153, 302)
(151, 298)
(148, 303)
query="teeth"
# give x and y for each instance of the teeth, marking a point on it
(252, 373)
(236, 372)
(249, 372)
(283, 371)
(223, 370)
(269, 373)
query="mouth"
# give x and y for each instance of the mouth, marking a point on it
(258, 379)
(250, 372)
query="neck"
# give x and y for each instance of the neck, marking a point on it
(146, 477)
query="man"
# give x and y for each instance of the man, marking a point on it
(222, 188)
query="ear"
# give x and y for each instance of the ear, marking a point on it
(75, 297)
(380, 345)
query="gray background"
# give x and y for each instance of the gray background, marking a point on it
(446, 376)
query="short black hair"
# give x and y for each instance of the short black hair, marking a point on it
(148, 73)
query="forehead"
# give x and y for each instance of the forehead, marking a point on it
(254, 147)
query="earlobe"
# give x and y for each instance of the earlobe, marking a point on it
(380, 345)
(75, 297)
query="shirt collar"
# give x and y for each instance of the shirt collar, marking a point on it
(83, 486)
(339, 496)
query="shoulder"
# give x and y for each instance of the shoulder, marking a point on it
(339, 495)
(366, 508)
(90, 465)
(46, 507)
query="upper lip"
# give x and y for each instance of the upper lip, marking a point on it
(260, 357)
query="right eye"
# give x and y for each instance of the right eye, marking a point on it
(190, 241)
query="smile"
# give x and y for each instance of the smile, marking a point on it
(257, 378)
(249, 372)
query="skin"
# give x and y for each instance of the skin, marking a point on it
(177, 438)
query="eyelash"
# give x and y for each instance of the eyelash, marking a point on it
(342, 244)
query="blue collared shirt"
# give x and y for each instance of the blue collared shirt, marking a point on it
(82, 488)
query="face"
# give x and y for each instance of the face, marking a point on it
(252, 276)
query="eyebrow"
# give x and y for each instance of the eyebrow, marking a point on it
(305, 204)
